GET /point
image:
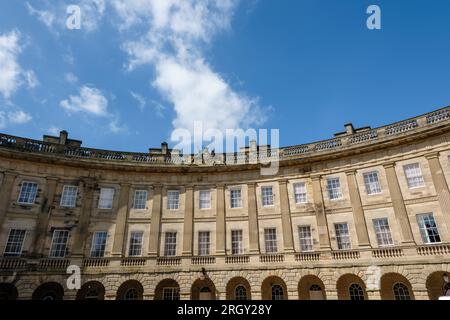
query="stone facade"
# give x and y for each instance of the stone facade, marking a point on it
(407, 259)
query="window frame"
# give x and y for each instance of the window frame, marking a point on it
(206, 201)
(270, 243)
(136, 247)
(204, 248)
(102, 200)
(422, 230)
(15, 254)
(232, 200)
(104, 244)
(170, 200)
(310, 239)
(167, 249)
(136, 199)
(334, 193)
(418, 178)
(71, 197)
(56, 247)
(299, 195)
(23, 183)
(239, 242)
(264, 196)
(370, 191)
(383, 235)
(339, 236)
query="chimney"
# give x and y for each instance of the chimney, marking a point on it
(63, 137)
(349, 128)
(164, 148)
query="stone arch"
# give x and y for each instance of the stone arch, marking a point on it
(394, 286)
(234, 284)
(270, 288)
(311, 287)
(167, 284)
(130, 290)
(91, 290)
(8, 291)
(435, 285)
(350, 286)
(203, 289)
(49, 291)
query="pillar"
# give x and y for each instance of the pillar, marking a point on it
(220, 221)
(5, 194)
(119, 244)
(398, 204)
(358, 212)
(188, 227)
(155, 227)
(288, 239)
(253, 228)
(319, 206)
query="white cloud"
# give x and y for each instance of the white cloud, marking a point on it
(90, 100)
(92, 12)
(19, 117)
(12, 76)
(13, 117)
(46, 17)
(53, 130)
(10, 70)
(176, 33)
(71, 78)
(115, 127)
(139, 99)
(31, 79)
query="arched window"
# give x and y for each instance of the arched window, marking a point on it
(315, 287)
(240, 293)
(277, 292)
(356, 292)
(171, 294)
(401, 292)
(205, 289)
(131, 294)
(92, 294)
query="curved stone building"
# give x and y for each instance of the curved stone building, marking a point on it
(364, 215)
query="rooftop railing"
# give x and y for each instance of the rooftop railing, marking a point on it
(341, 142)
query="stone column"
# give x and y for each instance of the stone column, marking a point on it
(119, 244)
(288, 239)
(5, 194)
(44, 217)
(319, 206)
(398, 204)
(81, 232)
(253, 228)
(220, 221)
(155, 227)
(188, 227)
(441, 186)
(358, 212)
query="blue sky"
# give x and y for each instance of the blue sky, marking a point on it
(139, 69)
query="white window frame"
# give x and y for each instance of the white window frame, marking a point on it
(31, 196)
(173, 292)
(15, 244)
(58, 248)
(235, 198)
(68, 197)
(267, 198)
(343, 241)
(270, 240)
(414, 175)
(300, 193)
(171, 204)
(135, 248)
(334, 188)
(372, 183)
(204, 243)
(140, 199)
(383, 232)
(94, 245)
(425, 231)
(305, 238)
(204, 199)
(170, 244)
(237, 242)
(106, 198)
